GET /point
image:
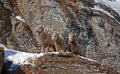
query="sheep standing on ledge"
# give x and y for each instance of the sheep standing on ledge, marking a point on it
(45, 40)
(74, 45)
(59, 43)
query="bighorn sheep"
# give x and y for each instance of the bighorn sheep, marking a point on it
(74, 45)
(59, 43)
(45, 40)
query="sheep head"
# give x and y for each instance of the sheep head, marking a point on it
(55, 36)
(71, 37)
(40, 29)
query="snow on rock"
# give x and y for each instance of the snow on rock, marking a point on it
(55, 52)
(100, 9)
(114, 4)
(18, 57)
(106, 12)
(21, 58)
(87, 58)
(20, 18)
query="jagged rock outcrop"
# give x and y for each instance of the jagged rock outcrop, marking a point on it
(97, 31)
(61, 63)
(5, 24)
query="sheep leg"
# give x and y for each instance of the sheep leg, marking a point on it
(52, 49)
(47, 49)
(61, 50)
(57, 50)
(43, 49)
(64, 50)
(36, 51)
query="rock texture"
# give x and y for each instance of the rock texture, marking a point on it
(1, 58)
(61, 63)
(97, 31)
(5, 24)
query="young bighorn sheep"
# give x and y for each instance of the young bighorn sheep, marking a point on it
(45, 40)
(59, 43)
(74, 45)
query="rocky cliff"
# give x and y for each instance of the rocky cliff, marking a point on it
(95, 25)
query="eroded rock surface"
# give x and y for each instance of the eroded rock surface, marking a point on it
(61, 63)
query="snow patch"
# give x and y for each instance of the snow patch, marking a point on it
(55, 52)
(87, 58)
(18, 57)
(106, 12)
(114, 4)
(20, 18)
(100, 9)
(21, 58)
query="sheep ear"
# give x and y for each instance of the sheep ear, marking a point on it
(55, 32)
(71, 33)
(40, 26)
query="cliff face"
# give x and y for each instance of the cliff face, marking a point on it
(95, 25)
